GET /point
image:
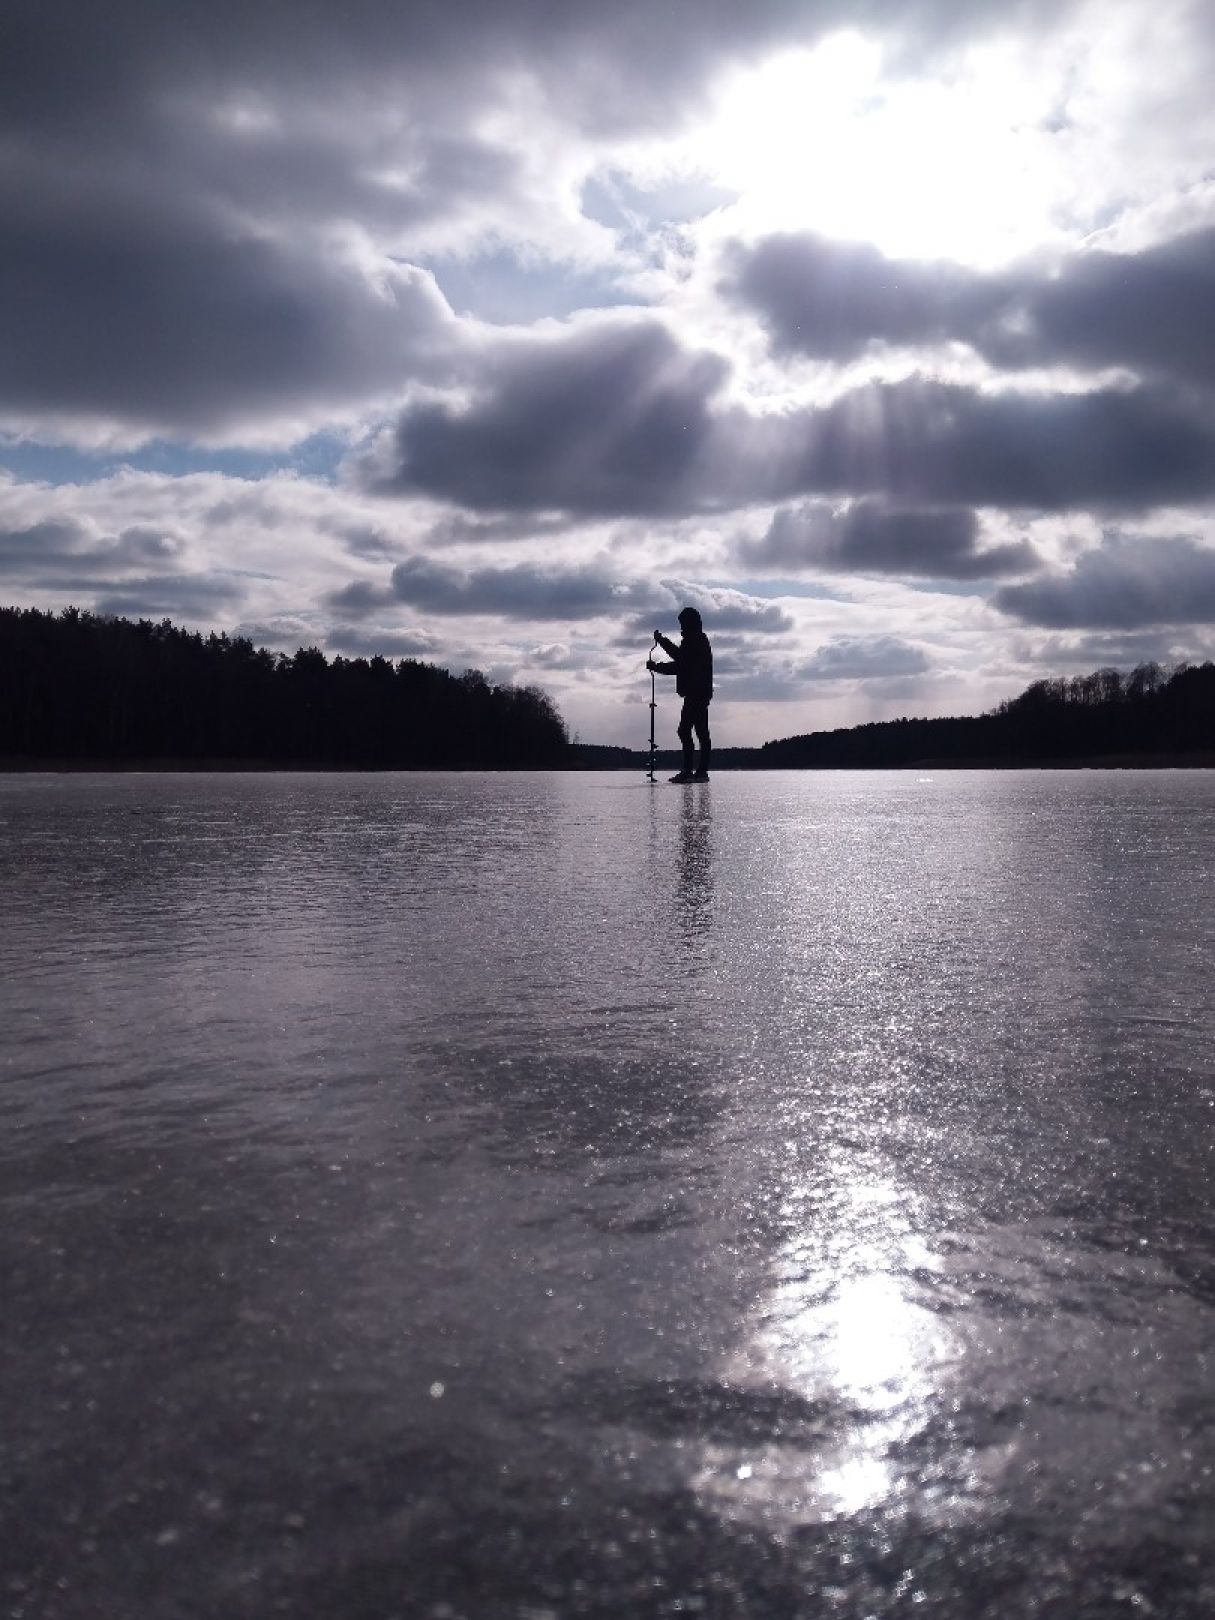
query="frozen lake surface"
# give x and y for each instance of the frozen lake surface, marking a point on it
(545, 1196)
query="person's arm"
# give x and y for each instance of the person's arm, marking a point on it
(661, 669)
(667, 646)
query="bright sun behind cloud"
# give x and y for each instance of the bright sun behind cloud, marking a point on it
(958, 168)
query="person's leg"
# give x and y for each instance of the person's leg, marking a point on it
(697, 721)
(706, 742)
(684, 732)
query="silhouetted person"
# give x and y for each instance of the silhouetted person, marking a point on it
(692, 667)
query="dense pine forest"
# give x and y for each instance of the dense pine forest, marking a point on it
(1150, 713)
(75, 686)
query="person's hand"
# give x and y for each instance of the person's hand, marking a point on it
(657, 634)
(649, 664)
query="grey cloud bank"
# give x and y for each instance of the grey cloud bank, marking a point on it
(523, 591)
(142, 312)
(620, 421)
(932, 442)
(832, 299)
(1147, 311)
(611, 420)
(630, 66)
(863, 662)
(190, 596)
(854, 658)
(178, 188)
(868, 537)
(1126, 584)
(134, 571)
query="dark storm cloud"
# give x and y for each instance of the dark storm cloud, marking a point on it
(832, 299)
(362, 540)
(191, 596)
(748, 683)
(1127, 583)
(603, 65)
(610, 419)
(173, 177)
(618, 419)
(630, 65)
(883, 661)
(130, 572)
(525, 591)
(43, 548)
(302, 168)
(142, 310)
(1148, 311)
(870, 537)
(530, 591)
(62, 551)
(1067, 652)
(460, 529)
(359, 598)
(855, 658)
(928, 443)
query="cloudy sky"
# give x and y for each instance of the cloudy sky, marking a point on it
(494, 331)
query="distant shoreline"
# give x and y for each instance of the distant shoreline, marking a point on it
(241, 767)
(85, 693)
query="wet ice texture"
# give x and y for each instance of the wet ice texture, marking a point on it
(528, 1195)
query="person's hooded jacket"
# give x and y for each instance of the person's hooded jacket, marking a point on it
(693, 661)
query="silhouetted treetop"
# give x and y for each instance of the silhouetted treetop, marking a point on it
(1105, 714)
(78, 685)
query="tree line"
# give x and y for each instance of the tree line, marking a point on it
(78, 686)
(1150, 712)
(87, 687)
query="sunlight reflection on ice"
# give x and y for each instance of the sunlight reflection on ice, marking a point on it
(842, 1331)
